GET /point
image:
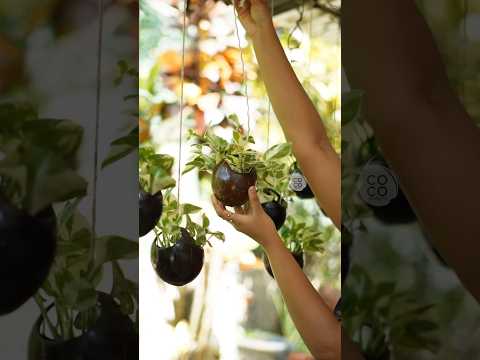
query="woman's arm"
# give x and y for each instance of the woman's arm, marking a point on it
(312, 317)
(421, 126)
(295, 111)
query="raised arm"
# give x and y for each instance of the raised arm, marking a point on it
(421, 126)
(298, 117)
(313, 318)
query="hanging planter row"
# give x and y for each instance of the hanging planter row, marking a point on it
(177, 252)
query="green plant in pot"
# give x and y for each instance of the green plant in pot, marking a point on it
(299, 237)
(154, 176)
(36, 156)
(233, 165)
(77, 320)
(177, 253)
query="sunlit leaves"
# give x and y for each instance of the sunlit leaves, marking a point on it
(299, 236)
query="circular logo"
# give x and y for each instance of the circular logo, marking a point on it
(297, 182)
(378, 185)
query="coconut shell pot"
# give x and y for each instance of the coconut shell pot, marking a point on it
(150, 209)
(398, 211)
(112, 337)
(231, 187)
(299, 184)
(179, 264)
(276, 209)
(297, 256)
(27, 251)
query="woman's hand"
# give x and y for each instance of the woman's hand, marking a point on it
(254, 15)
(250, 219)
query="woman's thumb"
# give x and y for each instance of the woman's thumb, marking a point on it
(253, 198)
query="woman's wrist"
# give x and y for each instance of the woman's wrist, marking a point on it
(271, 242)
(264, 32)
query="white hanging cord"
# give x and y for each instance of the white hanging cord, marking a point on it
(272, 7)
(244, 74)
(245, 84)
(310, 36)
(97, 128)
(182, 82)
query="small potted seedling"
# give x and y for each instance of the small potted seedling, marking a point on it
(298, 237)
(77, 320)
(177, 253)
(154, 174)
(232, 164)
(299, 184)
(37, 160)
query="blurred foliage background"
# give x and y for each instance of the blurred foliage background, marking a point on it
(399, 295)
(233, 310)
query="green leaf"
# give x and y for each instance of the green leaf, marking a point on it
(121, 148)
(113, 247)
(278, 151)
(351, 104)
(187, 209)
(52, 185)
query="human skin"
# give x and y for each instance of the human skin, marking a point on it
(423, 129)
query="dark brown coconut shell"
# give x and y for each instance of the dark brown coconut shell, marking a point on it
(27, 250)
(112, 337)
(231, 187)
(179, 264)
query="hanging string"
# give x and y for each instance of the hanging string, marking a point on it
(182, 82)
(97, 127)
(310, 37)
(298, 26)
(244, 80)
(272, 7)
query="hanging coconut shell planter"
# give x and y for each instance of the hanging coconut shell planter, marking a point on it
(111, 336)
(27, 251)
(230, 186)
(276, 208)
(177, 254)
(149, 210)
(154, 173)
(45, 150)
(233, 165)
(379, 188)
(180, 263)
(299, 184)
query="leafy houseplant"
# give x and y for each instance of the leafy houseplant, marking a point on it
(36, 154)
(299, 238)
(86, 323)
(382, 319)
(154, 173)
(177, 253)
(234, 166)
(273, 183)
(77, 321)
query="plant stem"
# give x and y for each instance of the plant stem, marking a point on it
(45, 317)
